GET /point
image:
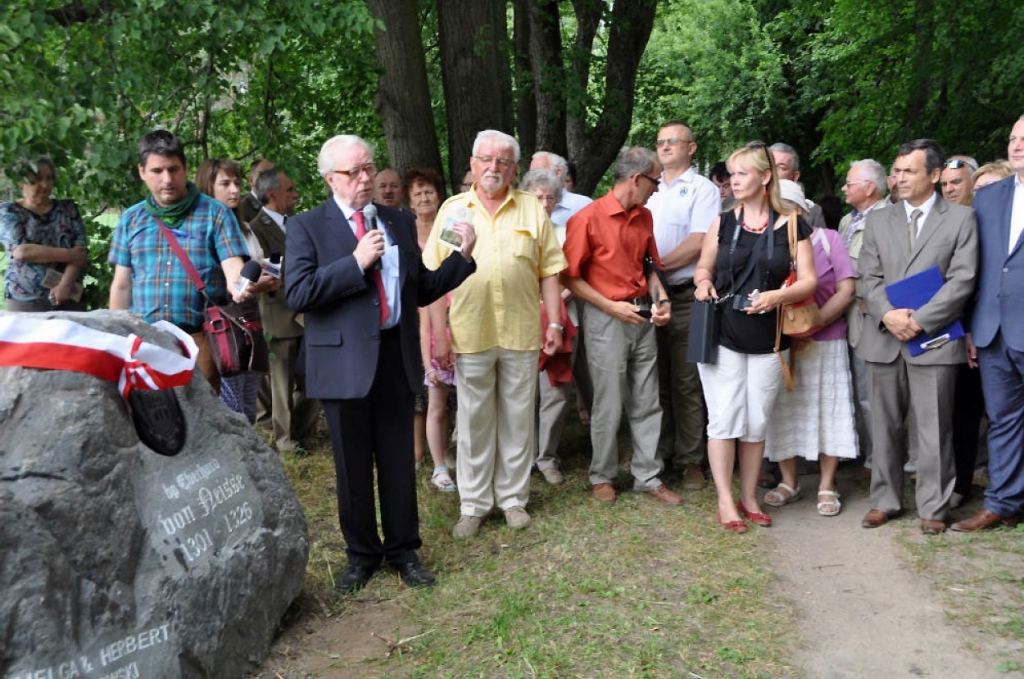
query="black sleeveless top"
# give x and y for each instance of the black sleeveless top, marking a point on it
(742, 332)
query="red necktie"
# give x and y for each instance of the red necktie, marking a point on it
(360, 232)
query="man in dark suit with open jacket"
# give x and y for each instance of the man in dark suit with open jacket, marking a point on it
(362, 351)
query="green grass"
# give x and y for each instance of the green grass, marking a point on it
(981, 580)
(631, 590)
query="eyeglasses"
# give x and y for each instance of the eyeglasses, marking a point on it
(957, 163)
(859, 181)
(503, 163)
(648, 178)
(369, 168)
(672, 141)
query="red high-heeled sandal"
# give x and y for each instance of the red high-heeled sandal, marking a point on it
(755, 517)
(739, 526)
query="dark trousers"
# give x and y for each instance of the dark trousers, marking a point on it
(1002, 378)
(968, 408)
(377, 430)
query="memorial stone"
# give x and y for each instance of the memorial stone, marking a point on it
(118, 562)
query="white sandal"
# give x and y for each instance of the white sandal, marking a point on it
(832, 502)
(442, 480)
(773, 498)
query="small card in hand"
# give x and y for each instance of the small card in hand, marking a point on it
(447, 235)
(52, 279)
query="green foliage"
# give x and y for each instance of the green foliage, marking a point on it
(838, 79)
(239, 78)
(710, 63)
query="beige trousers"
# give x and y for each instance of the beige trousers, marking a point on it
(496, 431)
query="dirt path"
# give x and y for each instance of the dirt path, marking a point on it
(861, 612)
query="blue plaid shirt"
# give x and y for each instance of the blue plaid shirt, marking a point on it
(161, 288)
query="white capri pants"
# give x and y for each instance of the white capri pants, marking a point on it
(740, 392)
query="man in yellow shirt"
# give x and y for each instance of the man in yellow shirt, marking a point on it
(496, 333)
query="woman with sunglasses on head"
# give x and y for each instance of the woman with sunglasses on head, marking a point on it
(743, 263)
(45, 239)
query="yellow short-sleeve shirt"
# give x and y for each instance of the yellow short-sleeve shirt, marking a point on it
(498, 306)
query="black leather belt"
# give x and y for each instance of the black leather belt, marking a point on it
(682, 287)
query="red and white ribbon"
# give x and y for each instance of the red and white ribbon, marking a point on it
(59, 344)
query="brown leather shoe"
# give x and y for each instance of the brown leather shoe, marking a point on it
(663, 494)
(932, 527)
(693, 477)
(983, 520)
(603, 492)
(876, 518)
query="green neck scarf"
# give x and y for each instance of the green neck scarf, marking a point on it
(174, 214)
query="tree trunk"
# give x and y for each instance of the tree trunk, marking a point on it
(629, 30)
(526, 102)
(475, 74)
(403, 97)
(549, 75)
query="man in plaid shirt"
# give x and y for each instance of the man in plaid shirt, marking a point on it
(148, 278)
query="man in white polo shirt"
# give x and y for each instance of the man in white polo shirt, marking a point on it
(683, 208)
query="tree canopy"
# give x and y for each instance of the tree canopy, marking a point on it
(837, 79)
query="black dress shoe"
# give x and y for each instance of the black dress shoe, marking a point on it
(354, 578)
(415, 574)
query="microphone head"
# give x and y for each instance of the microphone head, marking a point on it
(251, 270)
(370, 215)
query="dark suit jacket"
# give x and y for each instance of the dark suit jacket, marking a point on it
(278, 318)
(948, 239)
(999, 300)
(249, 207)
(341, 305)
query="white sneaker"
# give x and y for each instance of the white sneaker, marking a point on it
(552, 475)
(517, 518)
(467, 527)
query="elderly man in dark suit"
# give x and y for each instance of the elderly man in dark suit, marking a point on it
(283, 392)
(921, 231)
(359, 280)
(996, 342)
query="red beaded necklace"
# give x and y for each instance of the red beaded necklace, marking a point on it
(755, 229)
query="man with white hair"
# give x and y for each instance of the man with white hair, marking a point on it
(353, 268)
(787, 164)
(864, 189)
(496, 333)
(570, 203)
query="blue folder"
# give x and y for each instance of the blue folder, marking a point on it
(913, 292)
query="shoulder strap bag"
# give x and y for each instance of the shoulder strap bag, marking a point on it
(234, 331)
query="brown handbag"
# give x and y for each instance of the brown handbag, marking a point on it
(799, 319)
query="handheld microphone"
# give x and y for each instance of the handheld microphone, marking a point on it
(370, 215)
(250, 274)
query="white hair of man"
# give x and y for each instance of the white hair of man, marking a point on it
(542, 179)
(876, 173)
(335, 145)
(782, 147)
(499, 139)
(556, 162)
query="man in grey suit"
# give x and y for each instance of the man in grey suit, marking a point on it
(282, 393)
(921, 231)
(997, 331)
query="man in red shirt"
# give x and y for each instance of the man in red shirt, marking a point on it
(606, 244)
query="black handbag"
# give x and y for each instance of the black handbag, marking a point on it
(702, 346)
